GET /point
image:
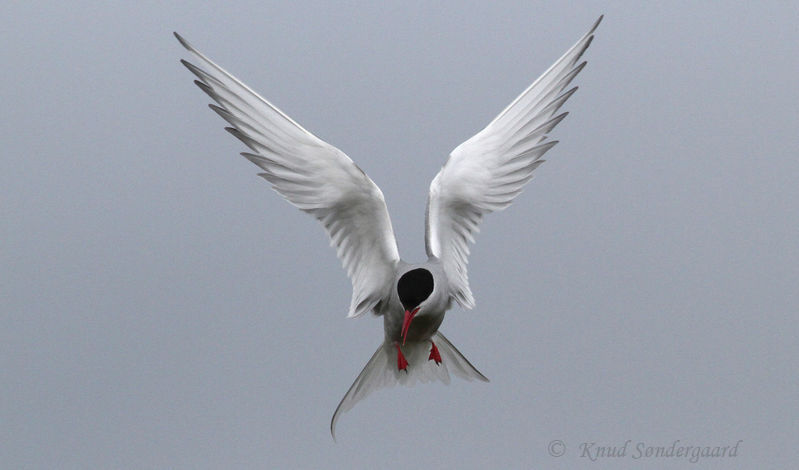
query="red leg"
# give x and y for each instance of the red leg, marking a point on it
(434, 355)
(402, 364)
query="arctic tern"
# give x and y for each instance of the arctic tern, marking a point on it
(482, 175)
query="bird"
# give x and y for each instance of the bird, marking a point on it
(484, 174)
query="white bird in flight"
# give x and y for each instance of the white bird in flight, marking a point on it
(482, 175)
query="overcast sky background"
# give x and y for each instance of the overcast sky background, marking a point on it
(163, 308)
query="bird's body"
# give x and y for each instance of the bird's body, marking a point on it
(482, 175)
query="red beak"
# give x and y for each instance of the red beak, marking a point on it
(406, 323)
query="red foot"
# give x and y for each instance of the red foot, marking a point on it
(434, 355)
(402, 364)
(406, 322)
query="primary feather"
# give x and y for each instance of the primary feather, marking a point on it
(485, 173)
(314, 176)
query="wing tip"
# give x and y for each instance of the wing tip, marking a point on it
(596, 23)
(204, 87)
(182, 41)
(586, 46)
(219, 110)
(193, 69)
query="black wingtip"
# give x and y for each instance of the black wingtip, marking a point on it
(219, 110)
(188, 65)
(182, 41)
(587, 44)
(205, 88)
(595, 25)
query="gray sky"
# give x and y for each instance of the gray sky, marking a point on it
(163, 308)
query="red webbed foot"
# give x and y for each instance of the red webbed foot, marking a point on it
(402, 363)
(434, 355)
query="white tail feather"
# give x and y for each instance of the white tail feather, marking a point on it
(381, 371)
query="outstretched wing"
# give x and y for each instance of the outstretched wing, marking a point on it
(485, 173)
(314, 176)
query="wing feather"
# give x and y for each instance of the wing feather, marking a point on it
(485, 173)
(313, 176)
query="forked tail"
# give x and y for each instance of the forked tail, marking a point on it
(381, 371)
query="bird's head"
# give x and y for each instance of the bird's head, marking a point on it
(413, 288)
